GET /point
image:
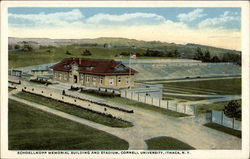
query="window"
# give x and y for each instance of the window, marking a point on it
(82, 77)
(127, 80)
(74, 67)
(65, 77)
(111, 81)
(119, 79)
(101, 80)
(60, 76)
(94, 80)
(90, 68)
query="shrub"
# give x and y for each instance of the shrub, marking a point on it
(233, 109)
(101, 93)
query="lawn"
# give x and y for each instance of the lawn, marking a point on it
(42, 56)
(121, 100)
(167, 143)
(224, 129)
(209, 107)
(98, 118)
(183, 98)
(220, 86)
(31, 129)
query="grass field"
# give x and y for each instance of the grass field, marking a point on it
(98, 118)
(31, 129)
(42, 56)
(224, 129)
(220, 86)
(171, 97)
(167, 143)
(140, 105)
(209, 107)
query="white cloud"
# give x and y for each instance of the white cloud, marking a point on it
(55, 19)
(226, 20)
(126, 19)
(191, 16)
(141, 26)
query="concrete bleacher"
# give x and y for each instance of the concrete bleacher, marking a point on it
(173, 70)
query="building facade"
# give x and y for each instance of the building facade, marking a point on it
(94, 73)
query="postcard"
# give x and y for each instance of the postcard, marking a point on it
(125, 79)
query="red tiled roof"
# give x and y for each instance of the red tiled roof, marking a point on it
(92, 66)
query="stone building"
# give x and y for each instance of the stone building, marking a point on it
(94, 73)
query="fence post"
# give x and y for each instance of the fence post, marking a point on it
(185, 108)
(159, 102)
(176, 107)
(167, 104)
(152, 100)
(233, 122)
(222, 117)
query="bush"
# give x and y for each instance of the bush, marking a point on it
(74, 88)
(233, 110)
(40, 81)
(101, 93)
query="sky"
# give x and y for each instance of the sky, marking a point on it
(220, 27)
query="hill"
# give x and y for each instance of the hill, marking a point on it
(52, 50)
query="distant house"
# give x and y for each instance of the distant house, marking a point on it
(94, 73)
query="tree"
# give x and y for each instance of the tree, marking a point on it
(198, 54)
(68, 53)
(215, 59)
(233, 109)
(86, 53)
(206, 57)
(176, 53)
(27, 47)
(17, 47)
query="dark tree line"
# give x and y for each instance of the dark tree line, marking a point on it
(206, 57)
(155, 53)
(26, 47)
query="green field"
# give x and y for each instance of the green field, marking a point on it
(220, 86)
(98, 118)
(224, 129)
(183, 99)
(209, 107)
(167, 143)
(42, 56)
(31, 129)
(140, 105)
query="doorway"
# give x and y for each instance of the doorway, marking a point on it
(75, 79)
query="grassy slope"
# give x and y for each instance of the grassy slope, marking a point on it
(41, 56)
(31, 129)
(209, 107)
(141, 105)
(74, 110)
(167, 143)
(221, 86)
(224, 129)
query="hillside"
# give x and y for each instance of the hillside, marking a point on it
(31, 51)
(123, 42)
